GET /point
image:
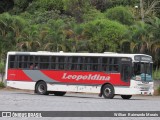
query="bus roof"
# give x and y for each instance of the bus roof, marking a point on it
(61, 53)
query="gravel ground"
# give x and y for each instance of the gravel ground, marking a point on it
(20, 100)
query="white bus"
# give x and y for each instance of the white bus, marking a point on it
(107, 74)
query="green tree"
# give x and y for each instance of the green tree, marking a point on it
(20, 6)
(2, 70)
(45, 5)
(143, 39)
(91, 13)
(76, 8)
(55, 40)
(114, 3)
(29, 39)
(6, 5)
(155, 48)
(105, 35)
(10, 30)
(121, 14)
(100, 4)
(75, 37)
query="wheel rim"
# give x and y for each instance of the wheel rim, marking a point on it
(41, 88)
(107, 91)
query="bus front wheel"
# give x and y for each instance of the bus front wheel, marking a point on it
(41, 88)
(108, 91)
(126, 96)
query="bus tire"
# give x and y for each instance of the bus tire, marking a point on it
(41, 88)
(58, 93)
(108, 91)
(126, 96)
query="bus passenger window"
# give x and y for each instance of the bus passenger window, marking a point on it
(36, 66)
(11, 65)
(95, 67)
(61, 66)
(125, 72)
(105, 68)
(31, 67)
(114, 68)
(53, 65)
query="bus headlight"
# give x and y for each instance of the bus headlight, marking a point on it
(138, 77)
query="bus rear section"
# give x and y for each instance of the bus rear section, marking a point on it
(55, 73)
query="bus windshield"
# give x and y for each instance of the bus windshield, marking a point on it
(143, 70)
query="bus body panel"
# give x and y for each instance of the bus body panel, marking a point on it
(90, 81)
(81, 88)
(24, 85)
(68, 77)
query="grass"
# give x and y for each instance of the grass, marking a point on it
(156, 74)
(157, 91)
(2, 85)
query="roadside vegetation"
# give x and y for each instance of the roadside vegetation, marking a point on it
(123, 26)
(157, 91)
(2, 85)
(156, 75)
(86, 25)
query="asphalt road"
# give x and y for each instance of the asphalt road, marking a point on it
(19, 100)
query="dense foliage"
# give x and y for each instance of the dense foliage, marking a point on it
(80, 25)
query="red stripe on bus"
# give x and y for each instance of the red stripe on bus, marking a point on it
(75, 77)
(85, 77)
(17, 75)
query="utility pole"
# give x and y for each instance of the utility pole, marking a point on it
(142, 10)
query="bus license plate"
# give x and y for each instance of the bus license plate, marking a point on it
(145, 82)
(145, 93)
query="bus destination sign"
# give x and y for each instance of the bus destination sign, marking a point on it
(143, 58)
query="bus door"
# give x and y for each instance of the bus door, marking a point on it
(126, 66)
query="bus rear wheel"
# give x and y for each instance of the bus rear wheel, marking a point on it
(126, 96)
(108, 91)
(58, 93)
(41, 88)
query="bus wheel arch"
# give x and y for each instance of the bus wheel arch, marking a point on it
(107, 90)
(41, 87)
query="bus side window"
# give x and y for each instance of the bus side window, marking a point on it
(94, 63)
(85, 64)
(31, 67)
(105, 62)
(74, 63)
(114, 68)
(12, 61)
(60, 62)
(53, 62)
(80, 63)
(44, 62)
(104, 67)
(125, 72)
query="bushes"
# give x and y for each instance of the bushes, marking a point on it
(121, 14)
(2, 85)
(105, 35)
(45, 5)
(156, 75)
(158, 90)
